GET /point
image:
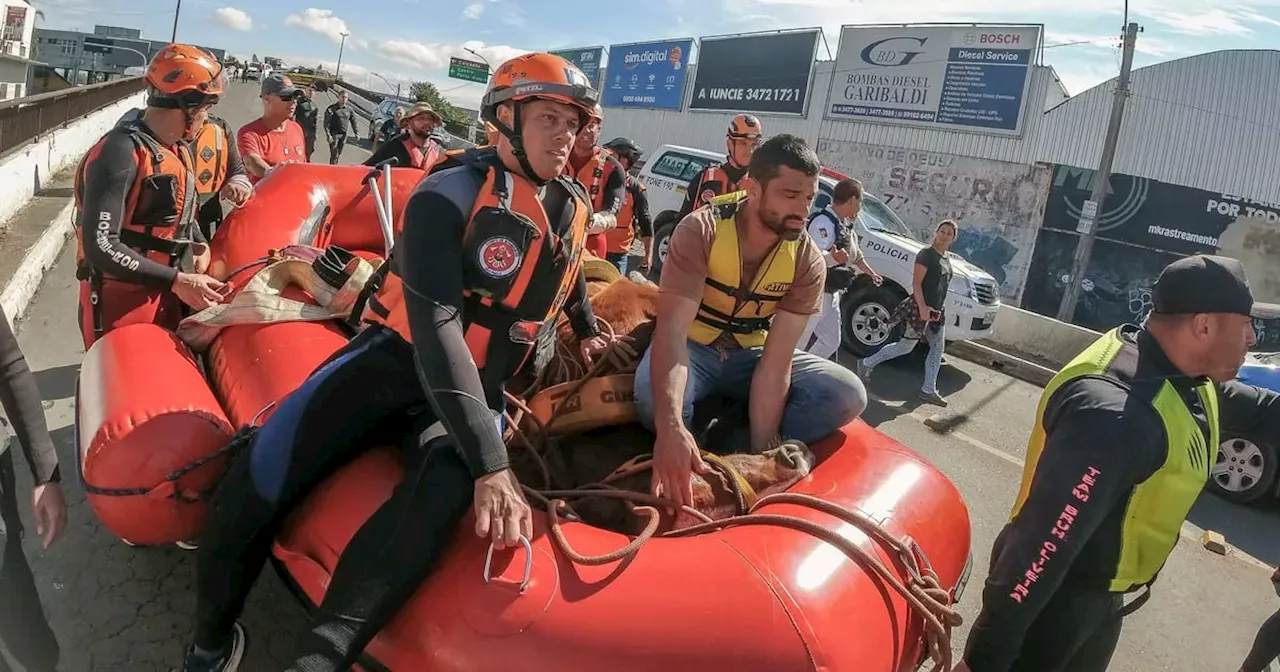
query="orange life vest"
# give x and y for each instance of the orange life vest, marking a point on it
(209, 156)
(715, 174)
(622, 236)
(593, 176)
(519, 266)
(160, 207)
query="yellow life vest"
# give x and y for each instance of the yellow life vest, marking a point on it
(725, 306)
(1158, 505)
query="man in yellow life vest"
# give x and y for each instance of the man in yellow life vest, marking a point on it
(740, 282)
(1125, 438)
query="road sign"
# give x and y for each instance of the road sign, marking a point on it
(471, 71)
(97, 45)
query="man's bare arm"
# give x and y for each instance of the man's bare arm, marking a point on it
(256, 165)
(670, 361)
(772, 380)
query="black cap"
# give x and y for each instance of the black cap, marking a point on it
(1206, 283)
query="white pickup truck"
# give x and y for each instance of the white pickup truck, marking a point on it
(888, 244)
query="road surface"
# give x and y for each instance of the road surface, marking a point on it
(121, 608)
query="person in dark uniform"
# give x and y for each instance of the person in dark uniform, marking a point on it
(1266, 644)
(307, 115)
(1126, 436)
(24, 630)
(339, 120)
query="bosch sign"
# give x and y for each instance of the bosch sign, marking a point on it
(971, 39)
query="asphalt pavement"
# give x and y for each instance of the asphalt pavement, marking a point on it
(120, 608)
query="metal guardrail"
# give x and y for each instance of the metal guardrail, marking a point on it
(25, 119)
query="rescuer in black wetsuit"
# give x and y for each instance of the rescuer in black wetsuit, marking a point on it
(1125, 441)
(745, 133)
(446, 411)
(24, 631)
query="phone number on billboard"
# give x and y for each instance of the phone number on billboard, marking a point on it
(774, 95)
(639, 99)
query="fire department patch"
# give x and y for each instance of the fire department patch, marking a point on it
(206, 154)
(499, 257)
(707, 195)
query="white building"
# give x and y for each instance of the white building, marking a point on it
(15, 49)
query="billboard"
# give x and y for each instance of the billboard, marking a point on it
(952, 77)
(647, 74)
(769, 73)
(588, 60)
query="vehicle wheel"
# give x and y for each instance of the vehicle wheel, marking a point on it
(864, 320)
(1245, 471)
(662, 228)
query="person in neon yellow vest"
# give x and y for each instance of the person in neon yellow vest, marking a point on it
(1125, 438)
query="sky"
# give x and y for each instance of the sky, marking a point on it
(401, 41)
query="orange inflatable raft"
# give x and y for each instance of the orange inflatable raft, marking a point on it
(751, 598)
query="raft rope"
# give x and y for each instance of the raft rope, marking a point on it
(922, 590)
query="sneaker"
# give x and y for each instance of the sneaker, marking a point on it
(228, 662)
(934, 398)
(187, 545)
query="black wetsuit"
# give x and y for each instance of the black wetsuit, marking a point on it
(1068, 620)
(446, 421)
(699, 183)
(24, 630)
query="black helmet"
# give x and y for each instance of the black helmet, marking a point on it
(624, 147)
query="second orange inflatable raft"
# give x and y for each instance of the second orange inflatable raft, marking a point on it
(745, 599)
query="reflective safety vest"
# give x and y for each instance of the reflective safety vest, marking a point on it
(1155, 511)
(209, 155)
(449, 158)
(728, 307)
(519, 265)
(622, 236)
(160, 206)
(715, 182)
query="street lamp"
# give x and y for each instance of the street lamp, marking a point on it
(482, 58)
(397, 84)
(338, 70)
(176, 11)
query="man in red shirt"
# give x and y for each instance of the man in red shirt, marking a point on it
(274, 138)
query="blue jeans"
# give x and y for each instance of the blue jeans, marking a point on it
(824, 396)
(932, 363)
(619, 260)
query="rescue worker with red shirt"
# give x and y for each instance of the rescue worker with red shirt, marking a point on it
(633, 217)
(274, 138)
(140, 255)
(490, 253)
(744, 135)
(413, 147)
(604, 179)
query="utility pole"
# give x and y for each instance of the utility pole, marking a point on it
(1101, 181)
(176, 10)
(338, 70)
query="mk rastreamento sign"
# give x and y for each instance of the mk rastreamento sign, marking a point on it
(954, 77)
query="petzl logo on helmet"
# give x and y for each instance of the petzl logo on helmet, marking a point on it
(526, 89)
(499, 257)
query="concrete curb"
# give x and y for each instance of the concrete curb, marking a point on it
(1003, 362)
(39, 258)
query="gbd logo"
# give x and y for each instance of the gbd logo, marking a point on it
(893, 52)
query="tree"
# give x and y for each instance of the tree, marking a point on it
(427, 92)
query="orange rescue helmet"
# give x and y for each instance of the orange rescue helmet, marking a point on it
(184, 77)
(597, 113)
(745, 126)
(535, 76)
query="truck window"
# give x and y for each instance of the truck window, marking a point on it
(676, 166)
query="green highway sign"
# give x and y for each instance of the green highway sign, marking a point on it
(471, 71)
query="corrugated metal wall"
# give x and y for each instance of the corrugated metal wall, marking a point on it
(1210, 121)
(706, 130)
